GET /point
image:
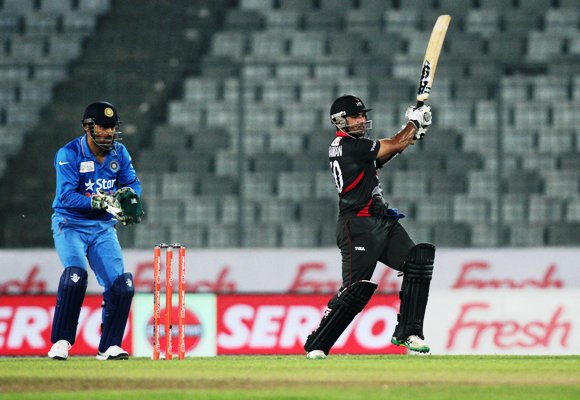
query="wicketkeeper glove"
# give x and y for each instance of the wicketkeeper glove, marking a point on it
(420, 116)
(101, 200)
(130, 207)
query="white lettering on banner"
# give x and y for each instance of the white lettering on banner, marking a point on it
(473, 324)
(467, 280)
(27, 326)
(298, 324)
(5, 313)
(284, 326)
(367, 332)
(267, 326)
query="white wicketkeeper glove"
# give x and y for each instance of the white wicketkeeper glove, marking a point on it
(420, 116)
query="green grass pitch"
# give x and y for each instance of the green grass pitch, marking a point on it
(294, 377)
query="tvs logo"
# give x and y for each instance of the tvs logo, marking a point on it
(193, 330)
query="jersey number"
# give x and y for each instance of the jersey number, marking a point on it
(337, 174)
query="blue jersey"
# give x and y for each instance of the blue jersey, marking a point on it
(79, 175)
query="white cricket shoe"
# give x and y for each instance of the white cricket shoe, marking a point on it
(316, 355)
(113, 353)
(59, 350)
(413, 343)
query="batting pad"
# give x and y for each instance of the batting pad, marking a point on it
(350, 302)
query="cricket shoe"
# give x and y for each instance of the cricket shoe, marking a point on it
(59, 350)
(316, 355)
(413, 343)
(113, 353)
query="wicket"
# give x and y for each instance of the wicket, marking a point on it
(168, 300)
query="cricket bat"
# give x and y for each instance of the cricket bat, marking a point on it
(431, 58)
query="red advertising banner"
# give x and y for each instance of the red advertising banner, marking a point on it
(279, 324)
(25, 326)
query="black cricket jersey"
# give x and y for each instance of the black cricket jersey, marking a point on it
(352, 164)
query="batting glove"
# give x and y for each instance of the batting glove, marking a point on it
(419, 116)
(420, 133)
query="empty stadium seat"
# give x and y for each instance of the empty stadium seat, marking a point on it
(433, 208)
(273, 210)
(526, 234)
(261, 236)
(545, 209)
(565, 234)
(300, 235)
(451, 234)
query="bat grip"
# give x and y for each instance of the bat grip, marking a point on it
(419, 103)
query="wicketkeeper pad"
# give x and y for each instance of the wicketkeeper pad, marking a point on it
(69, 299)
(117, 304)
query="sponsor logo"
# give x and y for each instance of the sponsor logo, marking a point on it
(280, 325)
(63, 162)
(75, 278)
(87, 166)
(104, 184)
(468, 278)
(193, 330)
(359, 248)
(476, 328)
(374, 146)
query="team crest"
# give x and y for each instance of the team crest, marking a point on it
(114, 165)
(109, 112)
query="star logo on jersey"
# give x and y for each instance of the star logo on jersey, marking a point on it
(89, 186)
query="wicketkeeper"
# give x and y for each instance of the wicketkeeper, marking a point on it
(96, 187)
(368, 230)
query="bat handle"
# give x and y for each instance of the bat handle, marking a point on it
(419, 103)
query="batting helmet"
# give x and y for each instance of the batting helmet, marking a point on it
(345, 106)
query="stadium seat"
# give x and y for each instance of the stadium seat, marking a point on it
(261, 236)
(191, 235)
(260, 185)
(566, 234)
(526, 234)
(451, 234)
(546, 209)
(433, 208)
(514, 208)
(300, 235)
(277, 211)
